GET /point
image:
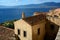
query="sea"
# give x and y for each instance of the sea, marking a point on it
(8, 14)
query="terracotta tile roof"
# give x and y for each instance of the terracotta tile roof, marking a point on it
(35, 19)
(6, 33)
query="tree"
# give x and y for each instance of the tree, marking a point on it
(9, 24)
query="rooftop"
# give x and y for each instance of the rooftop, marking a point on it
(6, 33)
(34, 19)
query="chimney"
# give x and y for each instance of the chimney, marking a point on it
(23, 15)
(36, 13)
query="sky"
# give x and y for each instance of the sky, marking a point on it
(24, 2)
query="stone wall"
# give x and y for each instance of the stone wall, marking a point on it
(51, 30)
(23, 26)
(35, 28)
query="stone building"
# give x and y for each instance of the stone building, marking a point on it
(51, 30)
(54, 17)
(31, 28)
(40, 26)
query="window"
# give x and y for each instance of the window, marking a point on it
(38, 31)
(48, 16)
(24, 33)
(52, 27)
(59, 13)
(18, 32)
(55, 16)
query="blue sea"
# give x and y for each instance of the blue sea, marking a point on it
(7, 14)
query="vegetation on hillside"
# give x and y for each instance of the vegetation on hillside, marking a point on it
(9, 24)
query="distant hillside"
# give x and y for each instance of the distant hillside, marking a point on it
(1, 6)
(42, 5)
(51, 4)
(15, 12)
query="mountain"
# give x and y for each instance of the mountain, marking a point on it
(42, 5)
(51, 4)
(1, 6)
(14, 12)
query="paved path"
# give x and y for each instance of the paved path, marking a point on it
(58, 35)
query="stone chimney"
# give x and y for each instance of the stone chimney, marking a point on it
(23, 15)
(50, 10)
(36, 13)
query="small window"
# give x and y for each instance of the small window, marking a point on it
(24, 33)
(59, 13)
(18, 32)
(52, 27)
(38, 31)
(55, 16)
(48, 16)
